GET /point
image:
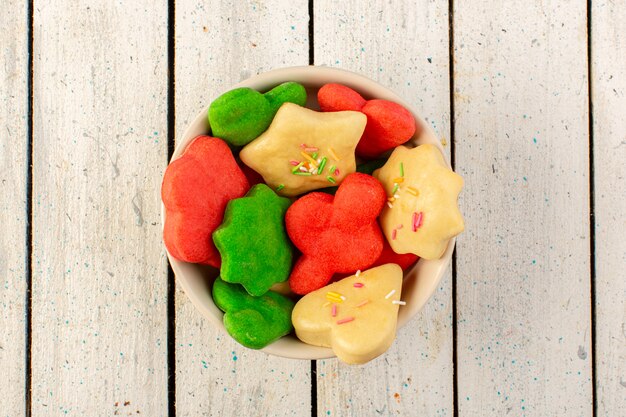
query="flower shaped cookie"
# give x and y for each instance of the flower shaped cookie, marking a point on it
(421, 214)
(255, 249)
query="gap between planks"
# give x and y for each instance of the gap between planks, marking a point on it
(29, 214)
(592, 229)
(455, 379)
(171, 140)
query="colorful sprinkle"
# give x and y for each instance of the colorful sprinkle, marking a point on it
(303, 146)
(400, 226)
(280, 187)
(308, 158)
(335, 297)
(345, 320)
(331, 179)
(394, 232)
(396, 196)
(358, 272)
(294, 162)
(389, 204)
(333, 310)
(395, 188)
(297, 167)
(336, 172)
(392, 292)
(413, 224)
(326, 304)
(417, 220)
(398, 180)
(391, 199)
(302, 173)
(358, 285)
(412, 190)
(362, 303)
(333, 154)
(303, 169)
(331, 169)
(401, 169)
(315, 156)
(402, 303)
(322, 165)
(311, 149)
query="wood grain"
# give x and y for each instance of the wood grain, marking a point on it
(13, 214)
(608, 77)
(523, 303)
(217, 45)
(404, 46)
(99, 279)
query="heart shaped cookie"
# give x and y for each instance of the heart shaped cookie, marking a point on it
(356, 316)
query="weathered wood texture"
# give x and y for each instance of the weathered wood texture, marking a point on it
(521, 111)
(99, 279)
(13, 216)
(217, 45)
(608, 77)
(404, 46)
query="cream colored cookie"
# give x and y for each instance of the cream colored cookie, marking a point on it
(422, 214)
(356, 316)
(304, 150)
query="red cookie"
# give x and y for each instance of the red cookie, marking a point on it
(335, 234)
(388, 124)
(196, 188)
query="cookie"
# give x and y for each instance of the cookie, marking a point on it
(422, 213)
(356, 317)
(388, 124)
(255, 322)
(240, 115)
(335, 234)
(304, 150)
(252, 241)
(196, 188)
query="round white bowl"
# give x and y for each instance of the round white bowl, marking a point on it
(420, 281)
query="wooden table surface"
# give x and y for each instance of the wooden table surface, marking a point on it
(529, 99)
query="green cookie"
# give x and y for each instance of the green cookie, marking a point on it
(253, 242)
(255, 322)
(241, 115)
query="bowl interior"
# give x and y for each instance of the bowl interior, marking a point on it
(420, 281)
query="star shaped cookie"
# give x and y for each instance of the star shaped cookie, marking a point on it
(421, 214)
(304, 150)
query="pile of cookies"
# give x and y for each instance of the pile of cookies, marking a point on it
(329, 201)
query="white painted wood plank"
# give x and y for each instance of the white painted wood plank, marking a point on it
(13, 170)
(521, 111)
(404, 46)
(608, 54)
(99, 279)
(217, 45)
